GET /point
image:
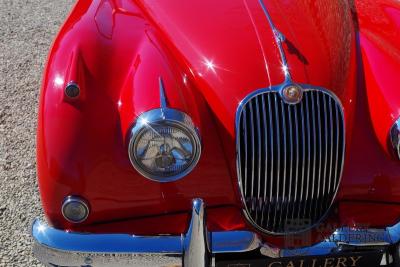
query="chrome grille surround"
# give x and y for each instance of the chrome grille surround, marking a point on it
(289, 188)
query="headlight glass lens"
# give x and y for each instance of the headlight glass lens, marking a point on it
(75, 209)
(164, 150)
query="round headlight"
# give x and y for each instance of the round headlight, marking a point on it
(164, 145)
(395, 138)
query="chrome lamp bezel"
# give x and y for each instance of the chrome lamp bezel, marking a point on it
(77, 199)
(170, 117)
(395, 138)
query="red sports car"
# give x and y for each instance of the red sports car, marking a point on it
(222, 132)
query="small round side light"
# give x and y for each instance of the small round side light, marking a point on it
(75, 209)
(72, 90)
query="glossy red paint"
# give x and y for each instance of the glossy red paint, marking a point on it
(357, 214)
(379, 23)
(81, 143)
(210, 54)
(371, 172)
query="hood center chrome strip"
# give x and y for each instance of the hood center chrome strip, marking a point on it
(279, 38)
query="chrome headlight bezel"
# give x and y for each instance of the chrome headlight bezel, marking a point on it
(395, 138)
(168, 117)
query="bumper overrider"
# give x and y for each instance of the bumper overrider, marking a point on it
(196, 248)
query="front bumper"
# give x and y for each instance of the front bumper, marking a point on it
(196, 248)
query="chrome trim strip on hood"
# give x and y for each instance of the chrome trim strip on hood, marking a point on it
(279, 38)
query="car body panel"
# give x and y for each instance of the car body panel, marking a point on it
(210, 55)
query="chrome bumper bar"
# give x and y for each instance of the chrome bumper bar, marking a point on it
(194, 249)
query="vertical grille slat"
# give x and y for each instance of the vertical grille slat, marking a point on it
(284, 158)
(337, 146)
(266, 140)
(245, 148)
(314, 161)
(303, 167)
(326, 136)
(319, 173)
(308, 147)
(272, 147)
(290, 164)
(259, 158)
(331, 146)
(297, 133)
(276, 203)
(290, 159)
(252, 153)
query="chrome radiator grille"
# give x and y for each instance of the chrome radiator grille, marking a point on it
(289, 159)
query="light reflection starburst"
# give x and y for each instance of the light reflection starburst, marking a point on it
(285, 69)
